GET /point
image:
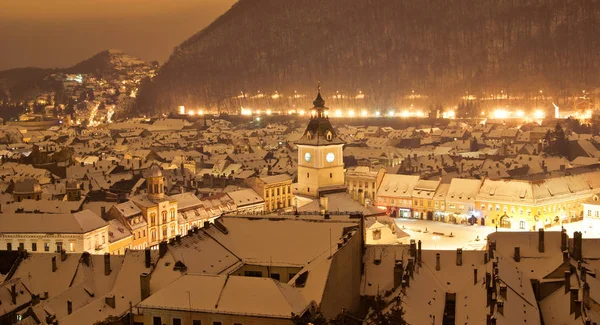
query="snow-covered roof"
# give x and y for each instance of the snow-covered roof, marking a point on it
(232, 295)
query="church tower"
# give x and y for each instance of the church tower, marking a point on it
(156, 184)
(320, 155)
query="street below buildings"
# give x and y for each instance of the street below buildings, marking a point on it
(446, 236)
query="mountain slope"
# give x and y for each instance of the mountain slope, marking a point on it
(385, 48)
(26, 83)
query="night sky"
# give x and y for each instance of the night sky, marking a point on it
(60, 33)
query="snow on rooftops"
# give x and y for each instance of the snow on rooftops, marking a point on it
(290, 242)
(275, 178)
(221, 294)
(76, 223)
(245, 197)
(463, 189)
(397, 185)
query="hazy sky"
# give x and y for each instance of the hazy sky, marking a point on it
(60, 33)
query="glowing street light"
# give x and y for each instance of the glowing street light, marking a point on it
(391, 113)
(338, 113)
(377, 113)
(520, 113)
(351, 113)
(539, 114)
(364, 113)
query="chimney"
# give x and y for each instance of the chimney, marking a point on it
(63, 255)
(474, 276)
(145, 285)
(541, 240)
(206, 224)
(577, 250)
(437, 262)
(398, 272)
(13, 293)
(69, 307)
(575, 303)
(107, 264)
(503, 291)
(419, 253)
(517, 256)
(102, 212)
(85, 258)
(413, 248)
(324, 203)
(459, 256)
(162, 248)
(563, 240)
(147, 257)
(567, 281)
(586, 295)
(110, 300)
(500, 307)
(53, 263)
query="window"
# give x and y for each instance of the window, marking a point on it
(176, 321)
(153, 235)
(71, 247)
(9, 247)
(307, 175)
(58, 246)
(155, 188)
(144, 232)
(156, 320)
(21, 246)
(34, 247)
(172, 214)
(256, 274)
(589, 213)
(330, 175)
(521, 224)
(196, 322)
(164, 216)
(308, 190)
(46, 247)
(164, 232)
(267, 193)
(217, 323)
(376, 234)
(278, 191)
(275, 276)
(153, 219)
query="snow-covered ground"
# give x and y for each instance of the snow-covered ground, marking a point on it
(437, 235)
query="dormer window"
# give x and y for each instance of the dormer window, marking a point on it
(308, 136)
(329, 136)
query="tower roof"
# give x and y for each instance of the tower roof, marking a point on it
(319, 131)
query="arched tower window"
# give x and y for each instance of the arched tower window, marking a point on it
(153, 219)
(164, 216)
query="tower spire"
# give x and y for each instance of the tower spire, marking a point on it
(319, 102)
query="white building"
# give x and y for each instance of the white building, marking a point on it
(35, 232)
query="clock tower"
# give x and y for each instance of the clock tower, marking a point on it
(320, 155)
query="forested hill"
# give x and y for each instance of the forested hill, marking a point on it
(385, 48)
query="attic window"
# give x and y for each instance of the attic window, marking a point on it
(329, 136)
(308, 136)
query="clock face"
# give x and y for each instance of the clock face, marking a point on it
(307, 156)
(330, 157)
